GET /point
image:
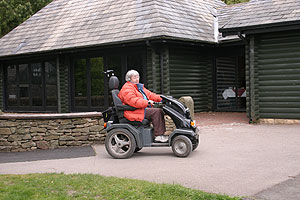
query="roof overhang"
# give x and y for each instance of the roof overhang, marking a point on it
(129, 43)
(264, 28)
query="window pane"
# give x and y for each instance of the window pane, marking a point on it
(12, 85)
(36, 84)
(97, 81)
(24, 74)
(24, 84)
(80, 96)
(51, 84)
(115, 63)
(136, 62)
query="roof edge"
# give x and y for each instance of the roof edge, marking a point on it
(262, 28)
(122, 43)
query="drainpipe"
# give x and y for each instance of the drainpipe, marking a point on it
(58, 85)
(161, 62)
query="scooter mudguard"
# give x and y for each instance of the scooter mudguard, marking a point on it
(130, 128)
(187, 132)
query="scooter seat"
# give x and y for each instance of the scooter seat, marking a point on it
(135, 123)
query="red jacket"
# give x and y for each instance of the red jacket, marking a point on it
(130, 95)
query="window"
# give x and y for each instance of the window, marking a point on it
(12, 87)
(88, 89)
(80, 96)
(97, 81)
(31, 87)
(90, 85)
(51, 84)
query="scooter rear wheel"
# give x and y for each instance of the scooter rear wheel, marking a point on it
(120, 143)
(182, 146)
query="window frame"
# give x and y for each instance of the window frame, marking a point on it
(30, 108)
(105, 54)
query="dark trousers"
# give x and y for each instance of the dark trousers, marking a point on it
(156, 116)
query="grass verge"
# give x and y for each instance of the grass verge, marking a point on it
(88, 186)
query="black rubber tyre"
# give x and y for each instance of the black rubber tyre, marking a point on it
(182, 146)
(137, 149)
(120, 143)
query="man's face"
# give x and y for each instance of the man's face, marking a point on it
(135, 79)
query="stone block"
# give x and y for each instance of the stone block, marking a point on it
(8, 123)
(82, 130)
(5, 131)
(62, 143)
(5, 148)
(22, 130)
(96, 128)
(13, 138)
(54, 144)
(28, 145)
(66, 126)
(6, 143)
(82, 138)
(51, 137)
(38, 130)
(42, 145)
(101, 122)
(74, 143)
(188, 102)
(64, 131)
(37, 138)
(79, 121)
(51, 127)
(93, 133)
(66, 138)
(13, 130)
(27, 137)
(53, 132)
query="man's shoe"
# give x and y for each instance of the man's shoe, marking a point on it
(161, 138)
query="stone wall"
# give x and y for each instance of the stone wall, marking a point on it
(19, 133)
(279, 121)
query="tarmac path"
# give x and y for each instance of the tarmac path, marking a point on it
(236, 159)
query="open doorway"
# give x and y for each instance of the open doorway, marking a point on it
(230, 84)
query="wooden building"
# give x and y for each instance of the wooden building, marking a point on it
(54, 61)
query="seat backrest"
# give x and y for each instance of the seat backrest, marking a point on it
(116, 99)
(113, 83)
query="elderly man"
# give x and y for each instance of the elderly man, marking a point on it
(134, 94)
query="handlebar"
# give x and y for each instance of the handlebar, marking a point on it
(109, 73)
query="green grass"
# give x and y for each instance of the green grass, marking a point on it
(88, 186)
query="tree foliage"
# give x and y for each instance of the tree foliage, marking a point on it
(234, 1)
(14, 12)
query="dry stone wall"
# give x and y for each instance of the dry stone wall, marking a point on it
(29, 134)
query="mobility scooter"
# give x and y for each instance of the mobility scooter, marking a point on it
(126, 137)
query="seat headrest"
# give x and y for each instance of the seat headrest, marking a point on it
(113, 83)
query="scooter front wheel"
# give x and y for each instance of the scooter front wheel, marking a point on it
(120, 143)
(182, 146)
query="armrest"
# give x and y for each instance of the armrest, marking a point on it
(125, 107)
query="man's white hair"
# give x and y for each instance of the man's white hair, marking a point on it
(131, 73)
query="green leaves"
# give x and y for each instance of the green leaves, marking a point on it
(14, 12)
(234, 1)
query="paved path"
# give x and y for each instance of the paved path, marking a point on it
(233, 159)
